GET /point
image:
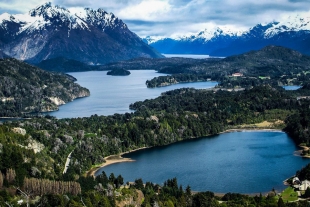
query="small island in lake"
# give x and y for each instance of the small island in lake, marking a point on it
(119, 72)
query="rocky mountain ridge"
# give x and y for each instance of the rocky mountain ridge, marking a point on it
(90, 36)
(292, 32)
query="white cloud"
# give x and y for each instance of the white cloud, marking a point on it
(19, 6)
(172, 17)
(147, 10)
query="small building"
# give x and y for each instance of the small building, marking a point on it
(237, 75)
(303, 97)
(304, 185)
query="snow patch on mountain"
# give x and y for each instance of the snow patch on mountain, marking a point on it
(205, 35)
(153, 39)
(291, 23)
(5, 17)
(45, 15)
(294, 23)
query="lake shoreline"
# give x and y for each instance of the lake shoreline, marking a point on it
(251, 130)
(299, 152)
(112, 159)
(117, 158)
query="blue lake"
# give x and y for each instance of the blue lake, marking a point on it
(114, 94)
(244, 162)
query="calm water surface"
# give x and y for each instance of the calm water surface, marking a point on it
(114, 94)
(187, 56)
(244, 162)
(291, 88)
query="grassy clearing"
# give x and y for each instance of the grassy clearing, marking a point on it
(289, 195)
(90, 135)
(264, 77)
(265, 124)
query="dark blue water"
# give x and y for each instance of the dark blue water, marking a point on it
(114, 94)
(244, 162)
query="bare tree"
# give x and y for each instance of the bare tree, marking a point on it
(1, 180)
(10, 175)
(44, 186)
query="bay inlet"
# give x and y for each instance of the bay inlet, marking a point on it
(243, 162)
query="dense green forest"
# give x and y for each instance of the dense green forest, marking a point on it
(271, 65)
(37, 149)
(33, 152)
(118, 72)
(25, 88)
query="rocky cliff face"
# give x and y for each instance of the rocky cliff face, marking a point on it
(90, 36)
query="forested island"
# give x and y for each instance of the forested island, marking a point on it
(118, 72)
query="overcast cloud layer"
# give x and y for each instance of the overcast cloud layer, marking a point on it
(173, 17)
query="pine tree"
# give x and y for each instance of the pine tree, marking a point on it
(281, 203)
(307, 193)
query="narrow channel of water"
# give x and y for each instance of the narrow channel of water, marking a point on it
(114, 94)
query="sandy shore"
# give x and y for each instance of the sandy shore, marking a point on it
(93, 171)
(112, 159)
(251, 130)
(299, 152)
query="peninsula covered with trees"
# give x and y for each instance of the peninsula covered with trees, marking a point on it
(174, 116)
(34, 152)
(271, 65)
(27, 89)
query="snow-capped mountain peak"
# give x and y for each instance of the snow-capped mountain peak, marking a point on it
(211, 33)
(294, 23)
(6, 17)
(56, 14)
(153, 39)
(100, 18)
(46, 15)
(91, 36)
(47, 11)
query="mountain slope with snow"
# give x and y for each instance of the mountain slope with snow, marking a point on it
(292, 32)
(90, 36)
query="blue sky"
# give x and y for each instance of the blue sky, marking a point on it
(174, 17)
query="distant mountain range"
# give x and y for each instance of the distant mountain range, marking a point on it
(90, 36)
(273, 61)
(294, 33)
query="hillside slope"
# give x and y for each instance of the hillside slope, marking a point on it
(90, 36)
(25, 88)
